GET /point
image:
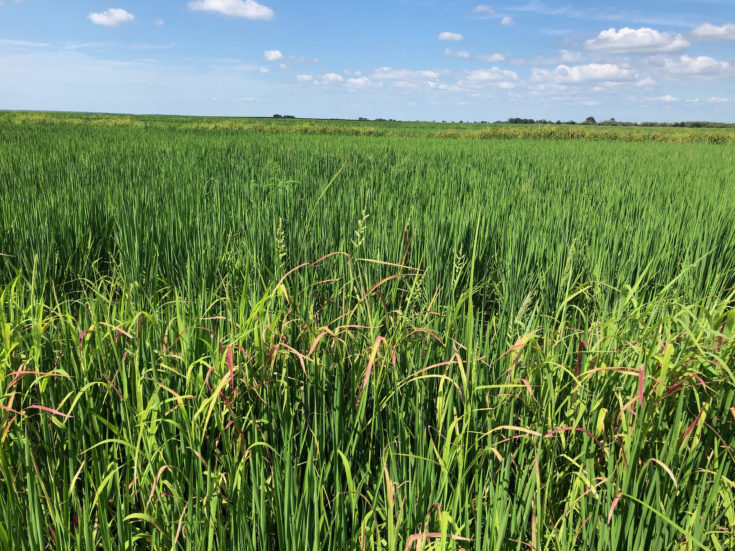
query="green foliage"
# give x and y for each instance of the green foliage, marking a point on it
(215, 339)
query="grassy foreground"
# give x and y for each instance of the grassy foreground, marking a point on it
(210, 340)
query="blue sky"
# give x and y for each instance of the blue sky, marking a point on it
(404, 59)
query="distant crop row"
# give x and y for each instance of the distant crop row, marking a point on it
(348, 128)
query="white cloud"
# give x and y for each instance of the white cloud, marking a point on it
(23, 43)
(643, 40)
(483, 9)
(406, 79)
(688, 65)
(491, 58)
(402, 74)
(300, 59)
(668, 98)
(359, 82)
(273, 55)
(456, 53)
(567, 56)
(111, 18)
(715, 99)
(491, 75)
(304, 78)
(158, 22)
(249, 9)
(580, 74)
(247, 68)
(713, 32)
(507, 20)
(332, 77)
(452, 37)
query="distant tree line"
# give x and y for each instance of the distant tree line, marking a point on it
(589, 121)
(612, 122)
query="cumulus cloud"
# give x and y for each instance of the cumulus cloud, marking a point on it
(406, 79)
(158, 22)
(273, 55)
(643, 40)
(715, 99)
(491, 75)
(359, 82)
(305, 78)
(456, 53)
(111, 18)
(507, 20)
(452, 37)
(483, 9)
(713, 32)
(249, 9)
(403, 74)
(668, 98)
(688, 65)
(580, 74)
(332, 77)
(491, 58)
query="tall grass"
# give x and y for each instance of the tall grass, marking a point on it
(227, 341)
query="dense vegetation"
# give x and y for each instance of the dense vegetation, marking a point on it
(213, 338)
(515, 129)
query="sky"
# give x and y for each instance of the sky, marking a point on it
(404, 59)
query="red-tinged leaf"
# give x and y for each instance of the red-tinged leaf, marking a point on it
(325, 257)
(206, 379)
(183, 400)
(612, 508)
(84, 334)
(7, 428)
(528, 388)
(155, 483)
(298, 354)
(230, 364)
(525, 544)
(51, 411)
(44, 373)
(579, 429)
(366, 378)
(421, 538)
(581, 527)
(319, 337)
(440, 364)
(691, 427)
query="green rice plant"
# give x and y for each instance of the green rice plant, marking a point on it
(219, 339)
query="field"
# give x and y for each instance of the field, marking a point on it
(216, 335)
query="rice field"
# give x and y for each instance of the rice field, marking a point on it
(215, 335)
